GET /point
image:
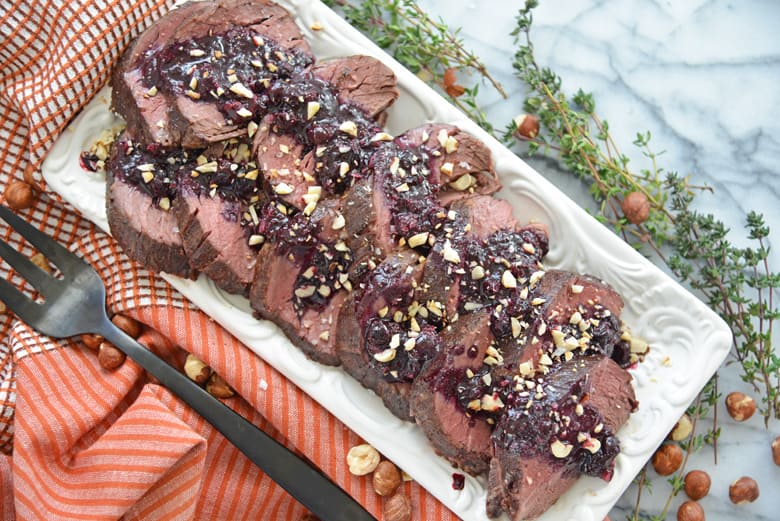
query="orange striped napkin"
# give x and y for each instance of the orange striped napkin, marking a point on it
(77, 441)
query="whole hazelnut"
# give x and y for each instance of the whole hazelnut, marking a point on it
(129, 325)
(362, 459)
(196, 369)
(683, 428)
(527, 126)
(92, 341)
(218, 387)
(667, 459)
(636, 207)
(740, 406)
(743, 490)
(690, 511)
(397, 508)
(109, 356)
(776, 451)
(19, 195)
(387, 478)
(697, 484)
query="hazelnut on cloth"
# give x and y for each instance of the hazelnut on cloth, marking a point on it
(387, 478)
(362, 459)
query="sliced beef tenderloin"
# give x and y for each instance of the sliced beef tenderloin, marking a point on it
(173, 86)
(288, 173)
(271, 295)
(457, 435)
(571, 315)
(300, 279)
(214, 239)
(378, 342)
(459, 162)
(362, 80)
(548, 437)
(139, 190)
(485, 214)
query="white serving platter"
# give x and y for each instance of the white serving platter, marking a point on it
(688, 340)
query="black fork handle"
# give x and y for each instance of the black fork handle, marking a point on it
(312, 489)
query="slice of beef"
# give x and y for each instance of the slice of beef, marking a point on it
(574, 315)
(147, 234)
(140, 185)
(485, 214)
(462, 439)
(214, 240)
(288, 173)
(271, 295)
(539, 450)
(362, 80)
(300, 279)
(455, 154)
(178, 114)
(367, 317)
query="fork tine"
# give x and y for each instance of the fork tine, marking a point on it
(19, 303)
(41, 280)
(54, 251)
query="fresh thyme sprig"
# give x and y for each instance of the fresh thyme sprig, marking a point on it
(425, 46)
(735, 282)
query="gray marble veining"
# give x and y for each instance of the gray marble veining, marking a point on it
(704, 78)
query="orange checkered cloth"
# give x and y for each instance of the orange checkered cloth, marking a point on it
(77, 441)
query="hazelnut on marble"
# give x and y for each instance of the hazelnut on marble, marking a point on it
(636, 207)
(740, 406)
(682, 429)
(690, 511)
(697, 484)
(667, 459)
(744, 490)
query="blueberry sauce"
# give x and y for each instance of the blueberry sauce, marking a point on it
(458, 481)
(232, 70)
(554, 419)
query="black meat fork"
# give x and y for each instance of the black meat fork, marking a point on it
(75, 304)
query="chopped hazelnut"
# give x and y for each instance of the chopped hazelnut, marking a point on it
(690, 511)
(129, 325)
(740, 406)
(667, 459)
(697, 484)
(362, 459)
(387, 478)
(19, 195)
(397, 508)
(109, 356)
(776, 451)
(636, 207)
(218, 387)
(744, 490)
(196, 369)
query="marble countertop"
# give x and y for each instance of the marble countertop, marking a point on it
(702, 76)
